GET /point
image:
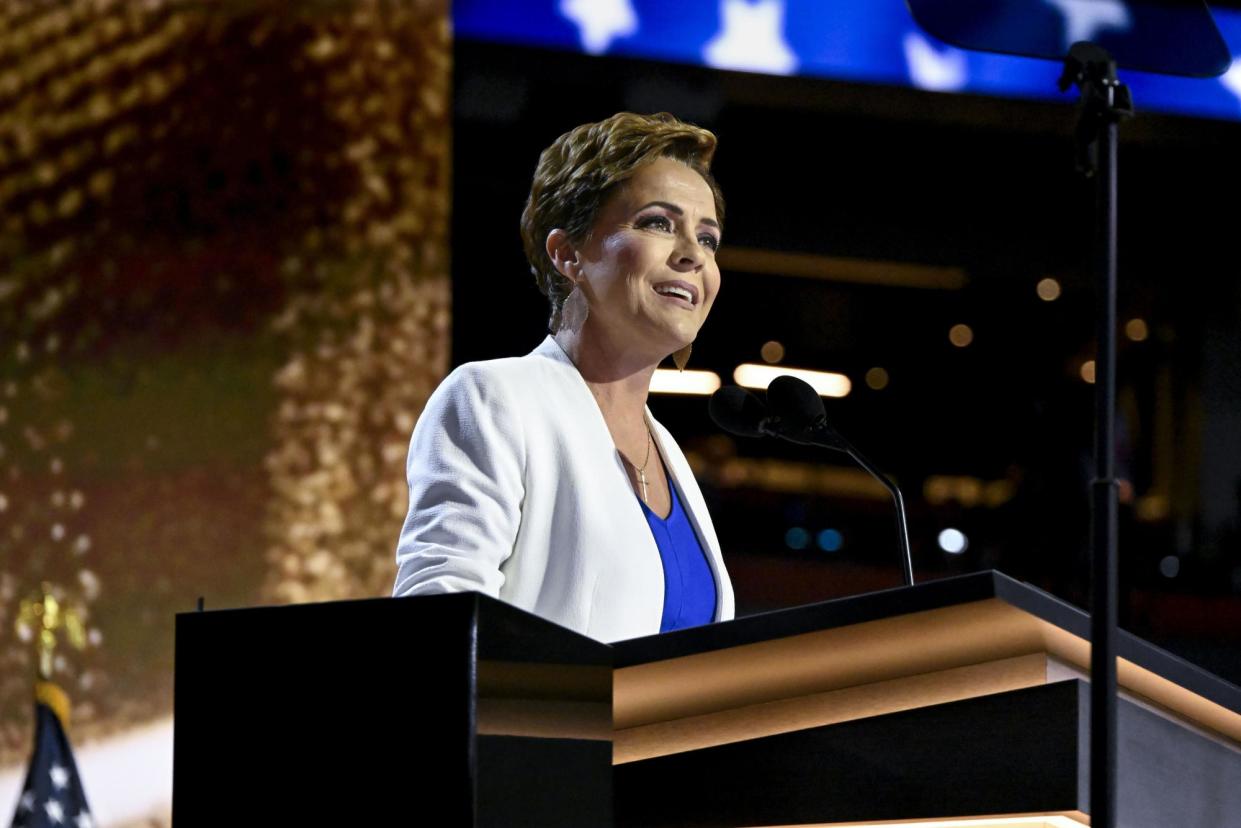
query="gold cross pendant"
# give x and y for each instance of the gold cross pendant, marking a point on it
(642, 483)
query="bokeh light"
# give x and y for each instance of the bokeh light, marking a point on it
(1086, 372)
(1170, 566)
(796, 538)
(1137, 330)
(830, 540)
(772, 352)
(953, 541)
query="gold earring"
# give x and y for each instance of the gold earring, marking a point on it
(681, 358)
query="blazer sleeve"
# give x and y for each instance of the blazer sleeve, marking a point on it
(465, 472)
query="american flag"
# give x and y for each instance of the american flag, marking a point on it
(52, 796)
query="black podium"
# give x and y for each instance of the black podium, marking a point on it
(444, 710)
(960, 699)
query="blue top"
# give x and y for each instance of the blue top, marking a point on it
(689, 583)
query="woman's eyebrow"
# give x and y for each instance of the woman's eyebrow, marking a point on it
(667, 205)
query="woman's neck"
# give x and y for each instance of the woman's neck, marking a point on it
(618, 377)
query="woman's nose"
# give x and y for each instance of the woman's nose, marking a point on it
(687, 253)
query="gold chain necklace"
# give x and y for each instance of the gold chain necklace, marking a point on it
(641, 470)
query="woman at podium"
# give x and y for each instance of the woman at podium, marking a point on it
(544, 480)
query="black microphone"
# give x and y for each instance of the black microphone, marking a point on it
(800, 417)
(739, 412)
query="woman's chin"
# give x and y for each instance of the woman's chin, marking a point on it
(662, 339)
(677, 330)
(671, 344)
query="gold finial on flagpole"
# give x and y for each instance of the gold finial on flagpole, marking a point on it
(49, 620)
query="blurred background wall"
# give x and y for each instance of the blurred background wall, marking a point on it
(231, 234)
(223, 300)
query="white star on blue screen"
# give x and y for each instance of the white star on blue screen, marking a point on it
(1232, 78)
(867, 41)
(752, 38)
(1084, 18)
(599, 22)
(937, 69)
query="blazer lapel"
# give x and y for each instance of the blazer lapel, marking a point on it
(612, 472)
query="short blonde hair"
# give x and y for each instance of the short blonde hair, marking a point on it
(581, 168)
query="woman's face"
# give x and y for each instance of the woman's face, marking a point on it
(648, 268)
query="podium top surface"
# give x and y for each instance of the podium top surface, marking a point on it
(998, 598)
(953, 628)
(493, 629)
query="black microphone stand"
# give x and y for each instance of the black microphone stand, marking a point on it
(902, 530)
(1105, 101)
(822, 434)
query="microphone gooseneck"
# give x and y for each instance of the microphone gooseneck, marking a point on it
(797, 415)
(799, 407)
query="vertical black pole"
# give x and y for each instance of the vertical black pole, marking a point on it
(1104, 487)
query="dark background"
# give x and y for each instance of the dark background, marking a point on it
(984, 186)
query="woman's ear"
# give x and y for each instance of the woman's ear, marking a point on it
(563, 254)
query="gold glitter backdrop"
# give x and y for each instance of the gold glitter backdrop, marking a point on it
(223, 301)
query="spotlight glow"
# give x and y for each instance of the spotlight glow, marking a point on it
(667, 381)
(825, 383)
(877, 378)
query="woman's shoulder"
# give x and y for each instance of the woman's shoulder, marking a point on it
(545, 358)
(507, 376)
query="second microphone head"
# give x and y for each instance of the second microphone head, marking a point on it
(795, 402)
(798, 413)
(738, 412)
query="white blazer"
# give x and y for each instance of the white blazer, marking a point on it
(516, 490)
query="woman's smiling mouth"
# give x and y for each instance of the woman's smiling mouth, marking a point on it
(678, 291)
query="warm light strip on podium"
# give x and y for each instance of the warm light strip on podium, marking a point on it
(1059, 820)
(668, 381)
(825, 383)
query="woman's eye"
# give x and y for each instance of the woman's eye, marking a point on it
(657, 222)
(709, 241)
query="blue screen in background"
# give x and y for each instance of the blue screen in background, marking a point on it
(868, 41)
